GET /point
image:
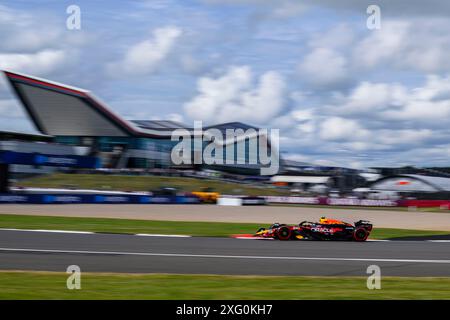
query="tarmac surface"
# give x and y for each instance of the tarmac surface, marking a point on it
(384, 218)
(49, 251)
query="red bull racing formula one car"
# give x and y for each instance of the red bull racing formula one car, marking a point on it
(326, 229)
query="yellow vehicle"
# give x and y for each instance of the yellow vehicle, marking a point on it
(207, 195)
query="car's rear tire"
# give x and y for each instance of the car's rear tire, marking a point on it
(360, 234)
(284, 233)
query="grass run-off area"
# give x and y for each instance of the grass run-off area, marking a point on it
(210, 229)
(52, 285)
(144, 183)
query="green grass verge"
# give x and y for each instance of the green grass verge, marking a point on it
(48, 285)
(143, 183)
(211, 229)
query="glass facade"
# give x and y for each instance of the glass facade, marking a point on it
(138, 152)
(147, 153)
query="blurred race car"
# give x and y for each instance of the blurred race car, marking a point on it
(206, 195)
(325, 229)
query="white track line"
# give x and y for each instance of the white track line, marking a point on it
(221, 256)
(162, 235)
(88, 232)
(52, 231)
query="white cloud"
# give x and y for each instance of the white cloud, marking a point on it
(42, 62)
(287, 9)
(422, 111)
(340, 56)
(303, 114)
(154, 4)
(171, 117)
(417, 44)
(307, 127)
(429, 103)
(369, 97)
(336, 129)
(323, 67)
(297, 157)
(235, 97)
(403, 136)
(391, 123)
(382, 44)
(145, 56)
(175, 117)
(340, 36)
(30, 40)
(36, 43)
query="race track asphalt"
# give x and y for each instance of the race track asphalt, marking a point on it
(47, 251)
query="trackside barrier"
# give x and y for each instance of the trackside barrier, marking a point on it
(444, 204)
(230, 200)
(293, 200)
(95, 199)
(41, 198)
(359, 202)
(226, 201)
(332, 201)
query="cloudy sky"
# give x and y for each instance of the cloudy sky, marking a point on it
(340, 93)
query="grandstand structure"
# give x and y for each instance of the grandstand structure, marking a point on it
(75, 117)
(19, 150)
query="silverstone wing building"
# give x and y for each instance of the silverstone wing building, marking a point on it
(75, 117)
